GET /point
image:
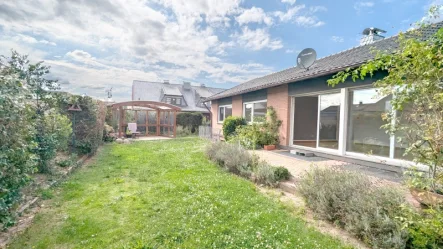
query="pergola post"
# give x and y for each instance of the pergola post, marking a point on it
(175, 123)
(158, 122)
(120, 121)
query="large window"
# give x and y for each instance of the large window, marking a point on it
(224, 112)
(255, 111)
(365, 134)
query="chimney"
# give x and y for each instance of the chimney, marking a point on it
(186, 85)
(165, 81)
(202, 85)
(370, 35)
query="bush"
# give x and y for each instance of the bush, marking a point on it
(190, 120)
(183, 132)
(262, 133)
(232, 157)
(264, 174)
(108, 135)
(230, 125)
(425, 230)
(281, 174)
(60, 127)
(351, 201)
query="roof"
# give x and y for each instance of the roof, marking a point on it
(154, 91)
(353, 57)
(171, 90)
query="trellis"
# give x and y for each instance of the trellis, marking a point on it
(152, 118)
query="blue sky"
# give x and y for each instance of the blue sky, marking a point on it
(93, 45)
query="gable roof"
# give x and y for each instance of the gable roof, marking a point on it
(155, 91)
(331, 64)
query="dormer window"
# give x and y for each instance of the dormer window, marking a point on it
(178, 101)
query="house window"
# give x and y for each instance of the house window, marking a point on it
(255, 111)
(224, 112)
(176, 101)
(365, 134)
(168, 100)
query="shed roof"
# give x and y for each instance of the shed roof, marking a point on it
(353, 57)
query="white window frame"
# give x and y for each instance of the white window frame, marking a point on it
(344, 112)
(252, 111)
(224, 113)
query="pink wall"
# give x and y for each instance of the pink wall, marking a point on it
(278, 98)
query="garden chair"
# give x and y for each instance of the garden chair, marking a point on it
(132, 127)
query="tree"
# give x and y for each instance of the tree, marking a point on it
(415, 80)
(17, 132)
(39, 92)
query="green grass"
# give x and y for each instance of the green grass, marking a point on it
(164, 194)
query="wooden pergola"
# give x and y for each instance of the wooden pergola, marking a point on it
(155, 118)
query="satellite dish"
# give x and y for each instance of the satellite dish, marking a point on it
(306, 58)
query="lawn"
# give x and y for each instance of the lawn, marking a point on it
(164, 194)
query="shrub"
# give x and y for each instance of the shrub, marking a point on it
(108, 135)
(190, 120)
(232, 157)
(262, 133)
(183, 132)
(281, 173)
(230, 125)
(264, 174)
(351, 201)
(425, 230)
(250, 136)
(60, 127)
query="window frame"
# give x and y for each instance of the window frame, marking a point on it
(224, 113)
(252, 111)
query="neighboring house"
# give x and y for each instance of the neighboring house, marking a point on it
(186, 96)
(341, 122)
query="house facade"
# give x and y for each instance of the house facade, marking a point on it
(342, 122)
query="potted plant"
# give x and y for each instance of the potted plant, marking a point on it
(269, 141)
(128, 133)
(428, 191)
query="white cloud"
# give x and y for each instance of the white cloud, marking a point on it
(314, 9)
(359, 6)
(289, 51)
(32, 40)
(291, 2)
(308, 21)
(337, 39)
(112, 42)
(300, 16)
(289, 14)
(254, 15)
(257, 39)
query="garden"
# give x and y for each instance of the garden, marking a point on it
(194, 193)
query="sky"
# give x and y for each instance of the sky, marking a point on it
(93, 45)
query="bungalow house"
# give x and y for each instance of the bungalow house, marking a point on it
(187, 96)
(341, 122)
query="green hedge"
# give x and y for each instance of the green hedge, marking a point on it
(190, 120)
(230, 125)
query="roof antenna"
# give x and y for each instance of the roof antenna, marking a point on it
(306, 58)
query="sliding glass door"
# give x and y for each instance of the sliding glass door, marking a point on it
(317, 121)
(329, 120)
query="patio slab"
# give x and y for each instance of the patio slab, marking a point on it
(153, 138)
(298, 165)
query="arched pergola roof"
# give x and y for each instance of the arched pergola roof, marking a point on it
(150, 104)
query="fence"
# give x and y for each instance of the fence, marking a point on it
(208, 132)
